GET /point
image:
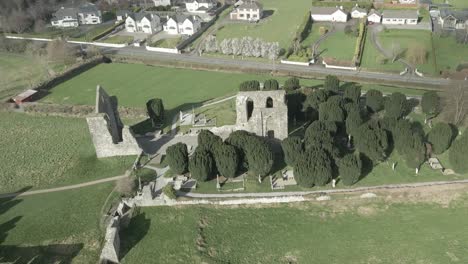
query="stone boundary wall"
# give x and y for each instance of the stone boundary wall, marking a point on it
(165, 50)
(94, 43)
(354, 68)
(295, 63)
(77, 110)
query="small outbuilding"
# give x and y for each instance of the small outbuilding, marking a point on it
(26, 96)
(358, 12)
(374, 16)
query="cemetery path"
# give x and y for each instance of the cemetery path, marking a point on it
(63, 188)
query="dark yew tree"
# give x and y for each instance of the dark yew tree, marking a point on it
(208, 140)
(249, 86)
(430, 104)
(260, 156)
(201, 165)
(350, 168)
(227, 160)
(458, 154)
(177, 158)
(292, 149)
(415, 151)
(353, 121)
(320, 134)
(314, 167)
(155, 110)
(270, 85)
(374, 100)
(240, 139)
(371, 139)
(396, 105)
(292, 84)
(440, 137)
(331, 111)
(332, 83)
(313, 101)
(352, 93)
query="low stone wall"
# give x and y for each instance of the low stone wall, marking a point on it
(295, 63)
(27, 38)
(77, 110)
(100, 44)
(166, 50)
(328, 66)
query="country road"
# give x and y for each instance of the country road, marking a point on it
(259, 65)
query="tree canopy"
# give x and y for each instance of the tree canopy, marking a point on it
(332, 83)
(155, 109)
(314, 167)
(177, 158)
(253, 85)
(440, 137)
(350, 168)
(201, 165)
(292, 84)
(430, 104)
(396, 105)
(374, 100)
(227, 160)
(353, 93)
(457, 154)
(292, 149)
(270, 85)
(371, 139)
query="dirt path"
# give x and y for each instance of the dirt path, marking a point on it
(64, 188)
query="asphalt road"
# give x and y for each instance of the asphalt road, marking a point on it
(246, 64)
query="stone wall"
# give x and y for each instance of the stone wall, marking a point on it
(264, 113)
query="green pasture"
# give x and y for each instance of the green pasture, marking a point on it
(45, 151)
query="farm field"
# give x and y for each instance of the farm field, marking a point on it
(454, 3)
(336, 232)
(280, 26)
(61, 227)
(70, 157)
(18, 72)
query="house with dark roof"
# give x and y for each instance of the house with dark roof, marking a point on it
(453, 19)
(248, 11)
(400, 17)
(200, 6)
(180, 24)
(143, 22)
(331, 14)
(86, 14)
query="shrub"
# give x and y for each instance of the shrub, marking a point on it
(440, 137)
(457, 155)
(249, 86)
(170, 192)
(270, 85)
(177, 158)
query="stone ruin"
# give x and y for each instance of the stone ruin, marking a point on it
(264, 113)
(110, 137)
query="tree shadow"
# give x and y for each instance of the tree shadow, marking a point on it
(411, 103)
(133, 233)
(6, 204)
(267, 13)
(367, 166)
(55, 253)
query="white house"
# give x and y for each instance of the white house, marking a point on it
(122, 14)
(409, 2)
(374, 17)
(162, 2)
(358, 12)
(333, 14)
(65, 17)
(453, 19)
(143, 22)
(200, 6)
(249, 11)
(182, 24)
(400, 17)
(86, 14)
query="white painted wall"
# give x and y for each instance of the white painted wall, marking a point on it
(374, 18)
(357, 14)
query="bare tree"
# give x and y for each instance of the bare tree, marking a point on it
(18, 21)
(455, 102)
(126, 186)
(416, 54)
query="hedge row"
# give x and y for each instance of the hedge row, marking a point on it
(360, 43)
(347, 5)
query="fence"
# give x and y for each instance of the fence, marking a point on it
(166, 50)
(295, 63)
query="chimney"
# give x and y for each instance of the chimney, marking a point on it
(341, 7)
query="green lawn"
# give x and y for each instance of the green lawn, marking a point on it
(339, 46)
(454, 3)
(371, 57)
(280, 27)
(18, 72)
(446, 57)
(225, 112)
(118, 40)
(405, 38)
(168, 43)
(314, 34)
(53, 228)
(335, 232)
(42, 152)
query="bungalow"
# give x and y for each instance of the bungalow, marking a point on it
(143, 22)
(86, 14)
(249, 11)
(453, 19)
(200, 6)
(400, 17)
(333, 14)
(374, 16)
(358, 12)
(408, 2)
(182, 24)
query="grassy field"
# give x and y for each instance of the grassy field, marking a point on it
(18, 72)
(280, 26)
(446, 58)
(169, 43)
(118, 40)
(454, 3)
(405, 38)
(335, 232)
(339, 46)
(42, 152)
(371, 57)
(58, 227)
(225, 112)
